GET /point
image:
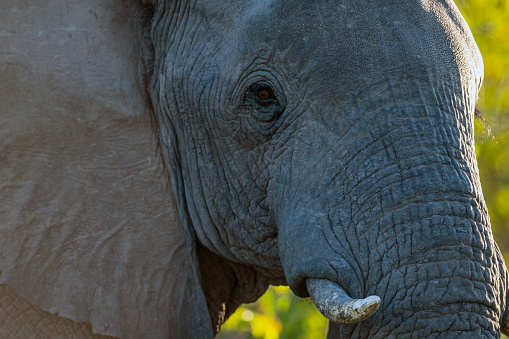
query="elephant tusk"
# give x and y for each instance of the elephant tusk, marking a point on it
(336, 305)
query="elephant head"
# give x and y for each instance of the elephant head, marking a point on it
(165, 161)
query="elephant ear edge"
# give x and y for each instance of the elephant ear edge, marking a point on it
(88, 226)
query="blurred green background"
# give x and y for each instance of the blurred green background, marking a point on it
(280, 314)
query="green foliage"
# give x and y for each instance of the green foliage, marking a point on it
(265, 318)
(489, 22)
(279, 314)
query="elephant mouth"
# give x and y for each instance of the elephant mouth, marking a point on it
(336, 305)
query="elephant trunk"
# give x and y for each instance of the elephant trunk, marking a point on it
(441, 267)
(391, 207)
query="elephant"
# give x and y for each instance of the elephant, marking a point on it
(165, 161)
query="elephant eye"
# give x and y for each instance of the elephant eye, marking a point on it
(263, 94)
(264, 104)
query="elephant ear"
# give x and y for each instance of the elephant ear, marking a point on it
(88, 224)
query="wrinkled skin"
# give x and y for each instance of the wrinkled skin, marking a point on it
(301, 141)
(361, 170)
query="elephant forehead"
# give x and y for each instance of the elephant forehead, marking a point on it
(335, 39)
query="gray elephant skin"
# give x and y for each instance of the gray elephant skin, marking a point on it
(165, 161)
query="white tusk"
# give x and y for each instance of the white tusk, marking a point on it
(336, 305)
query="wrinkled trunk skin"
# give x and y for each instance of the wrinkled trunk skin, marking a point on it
(393, 207)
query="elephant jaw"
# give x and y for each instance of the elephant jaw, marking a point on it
(336, 305)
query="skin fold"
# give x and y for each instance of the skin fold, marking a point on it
(166, 161)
